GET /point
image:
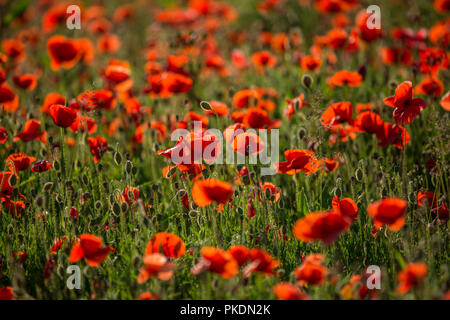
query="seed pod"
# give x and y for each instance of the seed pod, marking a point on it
(39, 201)
(85, 179)
(307, 81)
(56, 165)
(116, 209)
(98, 205)
(359, 174)
(48, 187)
(302, 132)
(13, 180)
(128, 167)
(205, 106)
(117, 158)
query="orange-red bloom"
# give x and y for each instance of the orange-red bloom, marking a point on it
(337, 113)
(427, 199)
(411, 276)
(63, 52)
(325, 226)
(406, 107)
(89, 248)
(62, 116)
(287, 291)
(217, 261)
(98, 146)
(41, 166)
(311, 271)
(157, 265)
(344, 77)
(298, 160)
(19, 161)
(346, 206)
(166, 243)
(204, 192)
(389, 211)
(31, 132)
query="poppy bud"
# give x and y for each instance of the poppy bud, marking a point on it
(85, 179)
(134, 171)
(171, 172)
(307, 81)
(116, 209)
(205, 106)
(39, 202)
(268, 194)
(302, 132)
(240, 211)
(192, 213)
(50, 140)
(252, 175)
(48, 186)
(124, 207)
(359, 174)
(43, 153)
(98, 205)
(100, 167)
(13, 180)
(280, 203)
(128, 167)
(56, 165)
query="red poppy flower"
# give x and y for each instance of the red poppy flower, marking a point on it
(366, 33)
(287, 291)
(240, 254)
(442, 213)
(411, 276)
(245, 98)
(25, 81)
(393, 55)
(62, 116)
(217, 108)
(393, 134)
(310, 63)
(369, 122)
(73, 212)
(15, 208)
(346, 206)
(406, 107)
(14, 49)
(204, 192)
(311, 271)
(98, 146)
(31, 132)
(445, 101)
(264, 59)
(390, 212)
(20, 160)
(427, 199)
(82, 123)
(337, 113)
(430, 87)
(432, 60)
(89, 248)
(217, 261)
(298, 160)
(108, 43)
(148, 296)
(96, 99)
(63, 52)
(9, 101)
(51, 99)
(157, 265)
(247, 143)
(166, 243)
(344, 77)
(6, 293)
(262, 262)
(54, 17)
(325, 226)
(331, 164)
(3, 135)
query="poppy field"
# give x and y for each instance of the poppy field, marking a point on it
(100, 199)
